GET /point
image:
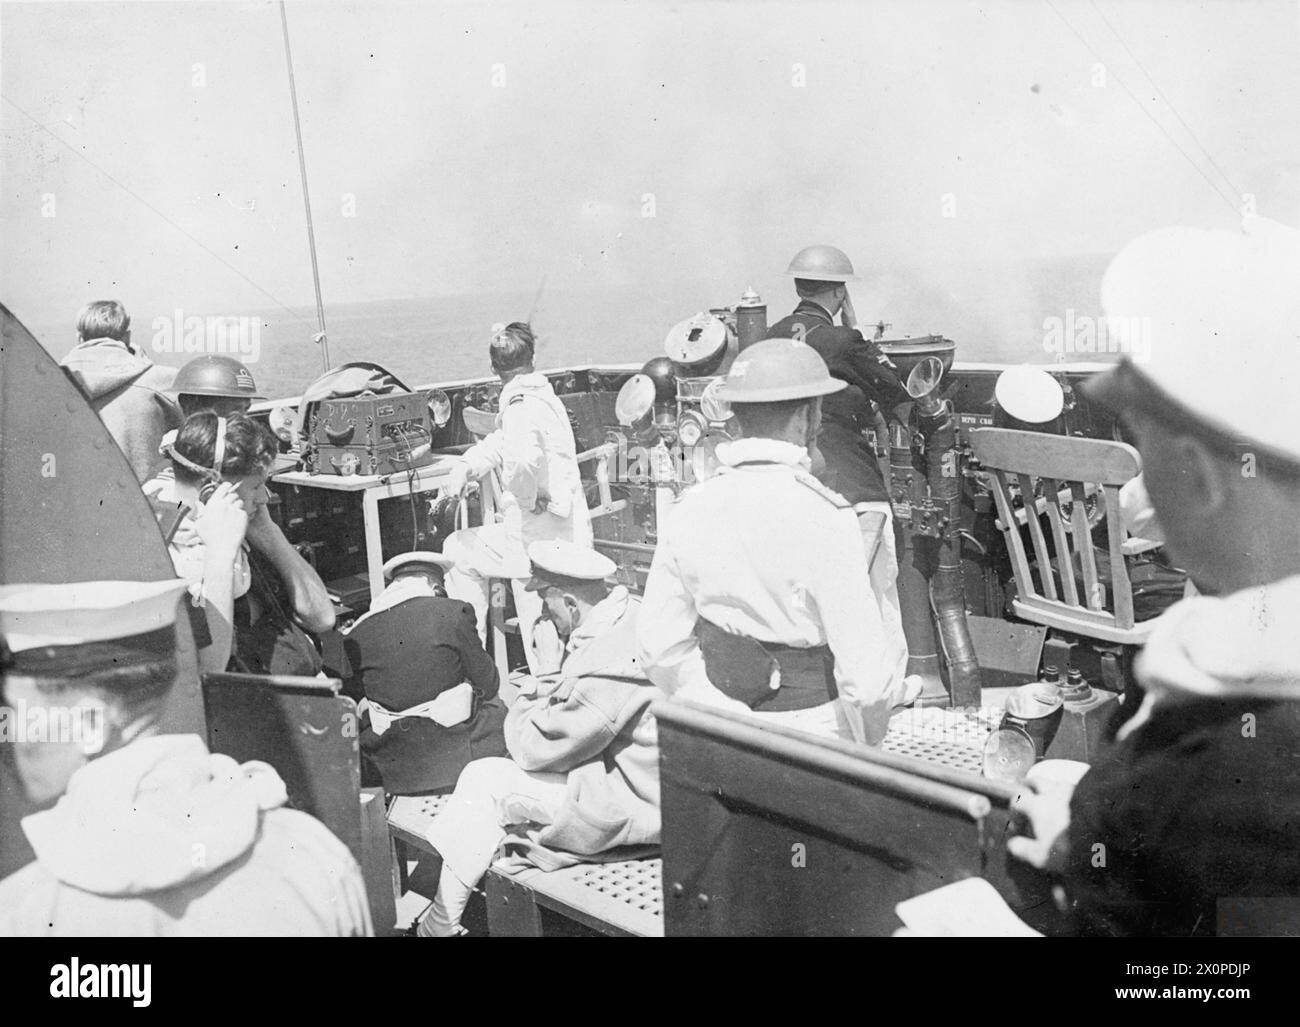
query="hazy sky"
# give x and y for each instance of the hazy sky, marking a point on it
(756, 128)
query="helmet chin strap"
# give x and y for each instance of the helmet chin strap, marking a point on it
(219, 447)
(212, 473)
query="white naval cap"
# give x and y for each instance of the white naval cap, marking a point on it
(558, 562)
(1029, 394)
(419, 556)
(1211, 319)
(77, 612)
(80, 624)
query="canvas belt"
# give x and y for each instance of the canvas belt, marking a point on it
(746, 669)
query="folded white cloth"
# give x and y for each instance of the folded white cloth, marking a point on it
(448, 709)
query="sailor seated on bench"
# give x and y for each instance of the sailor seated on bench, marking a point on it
(585, 776)
(152, 835)
(431, 703)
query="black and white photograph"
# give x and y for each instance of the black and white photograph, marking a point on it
(720, 469)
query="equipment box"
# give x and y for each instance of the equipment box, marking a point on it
(392, 457)
(368, 420)
(382, 434)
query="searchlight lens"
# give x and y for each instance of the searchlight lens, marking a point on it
(690, 429)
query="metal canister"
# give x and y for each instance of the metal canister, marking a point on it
(751, 319)
(1009, 754)
(1036, 709)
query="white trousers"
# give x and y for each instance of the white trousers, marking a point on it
(884, 584)
(490, 793)
(827, 720)
(471, 581)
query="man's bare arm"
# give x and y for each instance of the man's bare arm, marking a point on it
(311, 602)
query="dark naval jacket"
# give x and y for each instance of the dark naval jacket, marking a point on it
(406, 655)
(1190, 824)
(1189, 811)
(851, 466)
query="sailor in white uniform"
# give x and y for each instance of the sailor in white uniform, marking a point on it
(759, 598)
(583, 773)
(534, 453)
(151, 835)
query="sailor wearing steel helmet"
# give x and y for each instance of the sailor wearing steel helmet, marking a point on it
(211, 382)
(214, 382)
(848, 462)
(759, 599)
(821, 276)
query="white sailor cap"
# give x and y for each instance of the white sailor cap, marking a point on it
(1210, 323)
(81, 625)
(1029, 394)
(561, 563)
(419, 556)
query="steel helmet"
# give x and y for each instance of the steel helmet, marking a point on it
(822, 264)
(663, 373)
(215, 376)
(778, 369)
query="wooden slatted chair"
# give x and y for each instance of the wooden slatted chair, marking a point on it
(606, 504)
(1071, 469)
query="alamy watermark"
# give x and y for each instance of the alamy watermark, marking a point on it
(659, 463)
(75, 979)
(82, 726)
(1082, 334)
(236, 336)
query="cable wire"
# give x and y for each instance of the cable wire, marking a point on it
(1231, 202)
(141, 200)
(1161, 93)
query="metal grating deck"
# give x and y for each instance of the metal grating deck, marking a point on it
(950, 738)
(409, 815)
(627, 895)
(637, 883)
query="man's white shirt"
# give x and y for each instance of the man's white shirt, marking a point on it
(766, 551)
(534, 450)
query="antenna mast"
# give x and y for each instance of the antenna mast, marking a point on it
(321, 337)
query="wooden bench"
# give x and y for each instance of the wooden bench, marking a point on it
(769, 831)
(626, 898)
(622, 898)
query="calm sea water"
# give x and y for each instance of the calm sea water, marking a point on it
(993, 314)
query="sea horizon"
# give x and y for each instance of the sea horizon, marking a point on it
(426, 340)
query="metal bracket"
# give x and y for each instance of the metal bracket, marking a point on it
(512, 909)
